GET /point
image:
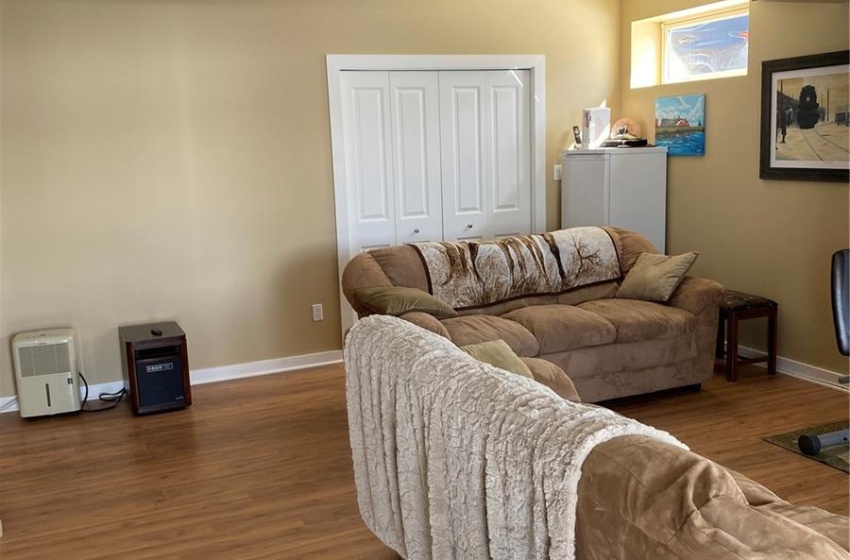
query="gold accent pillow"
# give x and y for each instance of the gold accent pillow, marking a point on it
(498, 353)
(395, 300)
(655, 277)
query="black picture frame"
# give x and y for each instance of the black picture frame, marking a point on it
(790, 139)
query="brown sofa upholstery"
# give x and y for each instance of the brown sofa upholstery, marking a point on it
(608, 347)
(641, 498)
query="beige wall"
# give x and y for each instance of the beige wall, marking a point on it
(171, 159)
(773, 238)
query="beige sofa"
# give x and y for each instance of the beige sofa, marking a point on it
(609, 347)
(454, 458)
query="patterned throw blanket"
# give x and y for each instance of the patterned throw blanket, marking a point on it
(457, 459)
(474, 274)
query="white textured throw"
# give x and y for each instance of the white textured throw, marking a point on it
(457, 459)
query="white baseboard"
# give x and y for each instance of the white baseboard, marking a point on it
(215, 374)
(799, 370)
(264, 367)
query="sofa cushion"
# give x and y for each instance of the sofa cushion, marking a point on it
(655, 277)
(498, 353)
(604, 290)
(472, 329)
(395, 300)
(552, 376)
(641, 320)
(564, 327)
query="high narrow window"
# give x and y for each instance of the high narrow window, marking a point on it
(709, 46)
(706, 41)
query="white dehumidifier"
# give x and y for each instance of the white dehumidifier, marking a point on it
(46, 372)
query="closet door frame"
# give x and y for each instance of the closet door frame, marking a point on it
(338, 63)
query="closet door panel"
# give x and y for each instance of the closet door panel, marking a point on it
(436, 155)
(510, 211)
(464, 167)
(415, 113)
(368, 158)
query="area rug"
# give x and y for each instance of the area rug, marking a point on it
(836, 456)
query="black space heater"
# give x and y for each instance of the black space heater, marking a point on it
(156, 367)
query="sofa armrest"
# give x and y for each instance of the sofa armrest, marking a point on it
(641, 498)
(426, 321)
(362, 272)
(830, 525)
(695, 295)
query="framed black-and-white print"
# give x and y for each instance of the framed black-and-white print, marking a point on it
(805, 118)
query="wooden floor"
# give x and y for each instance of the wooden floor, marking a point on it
(260, 468)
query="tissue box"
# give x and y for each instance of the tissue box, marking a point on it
(595, 126)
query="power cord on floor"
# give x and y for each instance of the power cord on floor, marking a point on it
(113, 398)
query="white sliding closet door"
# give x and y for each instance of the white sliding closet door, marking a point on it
(369, 174)
(392, 157)
(485, 138)
(416, 156)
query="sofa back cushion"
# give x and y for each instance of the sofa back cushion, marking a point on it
(630, 245)
(472, 329)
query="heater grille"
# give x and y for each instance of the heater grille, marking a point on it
(44, 359)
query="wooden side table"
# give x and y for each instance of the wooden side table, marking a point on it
(738, 306)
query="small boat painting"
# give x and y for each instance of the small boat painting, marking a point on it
(680, 124)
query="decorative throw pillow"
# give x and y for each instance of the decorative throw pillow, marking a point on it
(395, 300)
(655, 277)
(498, 353)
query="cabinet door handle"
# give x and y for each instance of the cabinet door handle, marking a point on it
(468, 226)
(416, 230)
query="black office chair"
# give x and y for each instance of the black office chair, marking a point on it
(841, 300)
(811, 444)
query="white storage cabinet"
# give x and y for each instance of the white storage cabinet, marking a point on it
(622, 187)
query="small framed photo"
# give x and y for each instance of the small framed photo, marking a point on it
(805, 118)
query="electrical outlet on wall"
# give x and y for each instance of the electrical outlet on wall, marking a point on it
(557, 172)
(318, 312)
